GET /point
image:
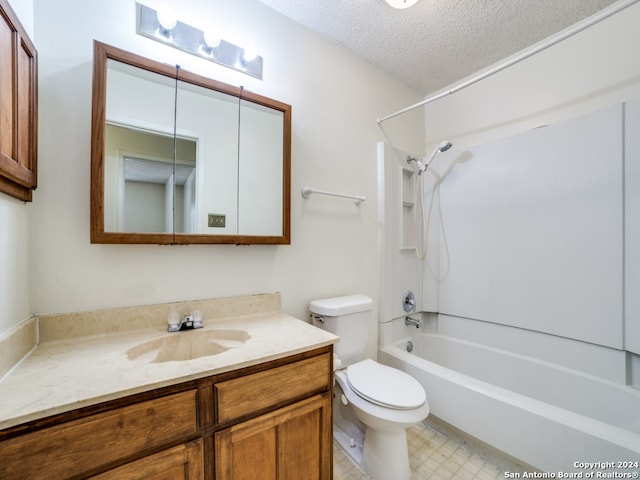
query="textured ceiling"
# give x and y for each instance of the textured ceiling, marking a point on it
(436, 42)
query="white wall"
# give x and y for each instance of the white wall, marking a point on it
(335, 97)
(24, 10)
(14, 262)
(14, 230)
(593, 70)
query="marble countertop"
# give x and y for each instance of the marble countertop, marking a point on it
(66, 374)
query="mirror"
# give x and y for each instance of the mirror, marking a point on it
(178, 158)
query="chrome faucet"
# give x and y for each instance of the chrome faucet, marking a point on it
(413, 322)
(188, 322)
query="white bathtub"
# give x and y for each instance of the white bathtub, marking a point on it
(550, 417)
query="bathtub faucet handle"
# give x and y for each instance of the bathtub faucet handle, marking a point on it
(413, 322)
(409, 302)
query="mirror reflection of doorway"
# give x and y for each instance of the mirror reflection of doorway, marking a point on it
(153, 195)
(153, 201)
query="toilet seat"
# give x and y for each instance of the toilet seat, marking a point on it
(371, 413)
(385, 386)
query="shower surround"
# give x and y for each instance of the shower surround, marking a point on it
(531, 338)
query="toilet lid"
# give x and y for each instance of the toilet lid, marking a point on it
(385, 386)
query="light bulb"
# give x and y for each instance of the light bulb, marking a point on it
(401, 3)
(250, 54)
(167, 18)
(212, 39)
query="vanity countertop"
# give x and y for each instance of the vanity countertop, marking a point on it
(66, 374)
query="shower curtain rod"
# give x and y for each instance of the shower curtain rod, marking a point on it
(578, 27)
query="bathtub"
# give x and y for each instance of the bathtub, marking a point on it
(552, 418)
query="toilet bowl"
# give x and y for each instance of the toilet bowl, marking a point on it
(385, 401)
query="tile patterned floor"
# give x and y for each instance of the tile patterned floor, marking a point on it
(432, 455)
(343, 466)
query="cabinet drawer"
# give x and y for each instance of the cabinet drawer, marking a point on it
(81, 445)
(183, 462)
(255, 392)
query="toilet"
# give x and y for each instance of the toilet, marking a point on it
(374, 404)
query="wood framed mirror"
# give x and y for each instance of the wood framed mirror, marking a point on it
(177, 158)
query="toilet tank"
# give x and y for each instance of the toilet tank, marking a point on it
(348, 317)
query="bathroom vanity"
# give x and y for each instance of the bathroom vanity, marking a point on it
(254, 415)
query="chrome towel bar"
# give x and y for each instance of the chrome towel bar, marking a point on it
(308, 191)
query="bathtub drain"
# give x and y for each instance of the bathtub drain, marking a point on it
(409, 346)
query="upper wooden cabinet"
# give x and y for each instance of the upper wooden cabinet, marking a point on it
(18, 107)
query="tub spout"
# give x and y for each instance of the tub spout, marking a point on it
(413, 322)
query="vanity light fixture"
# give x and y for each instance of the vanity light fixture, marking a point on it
(164, 27)
(401, 3)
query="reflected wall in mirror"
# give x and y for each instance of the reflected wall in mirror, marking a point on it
(142, 182)
(178, 158)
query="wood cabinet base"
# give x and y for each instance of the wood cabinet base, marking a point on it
(271, 421)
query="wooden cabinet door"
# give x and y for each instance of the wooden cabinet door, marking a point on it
(184, 462)
(305, 440)
(18, 107)
(293, 442)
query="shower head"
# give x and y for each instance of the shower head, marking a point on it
(422, 166)
(443, 147)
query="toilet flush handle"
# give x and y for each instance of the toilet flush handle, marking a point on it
(319, 318)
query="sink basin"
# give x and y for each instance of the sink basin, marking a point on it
(187, 345)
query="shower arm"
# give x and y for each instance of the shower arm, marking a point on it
(422, 166)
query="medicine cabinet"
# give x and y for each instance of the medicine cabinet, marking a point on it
(178, 158)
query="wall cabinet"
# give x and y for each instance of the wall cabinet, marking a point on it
(18, 107)
(220, 192)
(272, 420)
